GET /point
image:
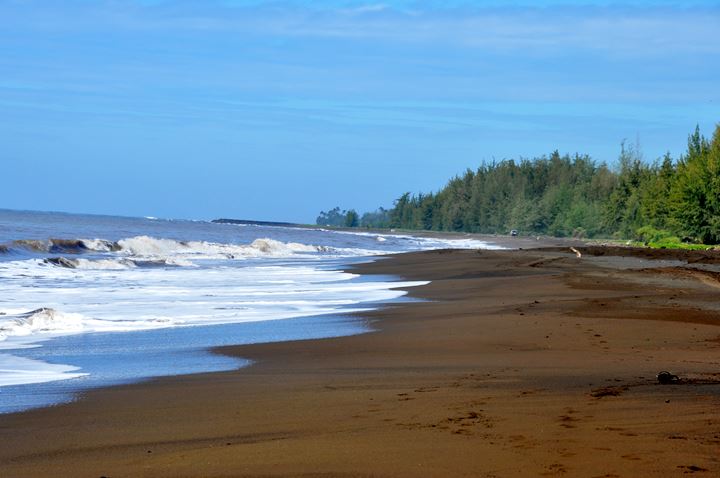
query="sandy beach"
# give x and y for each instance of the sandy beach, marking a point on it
(530, 362)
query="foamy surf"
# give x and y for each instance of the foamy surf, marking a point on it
(145, 246)
(19, 370)
(100, 296)
(38, 321)
(103, 279)
(423, 243)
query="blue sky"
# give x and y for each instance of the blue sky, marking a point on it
(276, 110)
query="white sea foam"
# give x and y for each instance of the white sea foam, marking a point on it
(116, 294)
(99, 245)
(423, 243)
(112, 264)
(42, 320)
(145, 246)
(271, 246)
(150, 246)
(143, 283)
(104, 300)
(149, 280)
(19, 370)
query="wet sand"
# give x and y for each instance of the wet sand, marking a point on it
(518, 363)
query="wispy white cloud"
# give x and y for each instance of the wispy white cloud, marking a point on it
(651, 30)
(367, 8)
(361, 66)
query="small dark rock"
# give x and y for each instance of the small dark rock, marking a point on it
(665, 378)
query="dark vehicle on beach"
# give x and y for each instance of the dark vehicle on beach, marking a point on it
(514, 233)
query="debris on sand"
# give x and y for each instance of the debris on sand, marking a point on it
(608, 391)
(666, 377)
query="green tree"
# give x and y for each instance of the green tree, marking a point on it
(571, 195)
(696, 191)
(622, 212)
(352, 219)
(378, 219)
(333, 217)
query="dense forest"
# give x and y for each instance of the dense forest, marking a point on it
(562, 195)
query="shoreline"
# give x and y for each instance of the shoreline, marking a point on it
(521, 363)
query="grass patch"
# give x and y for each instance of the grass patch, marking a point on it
(660, 239)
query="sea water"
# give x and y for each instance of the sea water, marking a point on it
(88, 301)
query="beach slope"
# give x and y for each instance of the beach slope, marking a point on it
(516, 363)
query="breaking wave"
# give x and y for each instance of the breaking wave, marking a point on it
(114, 264)
(150, 246)
(146, 251)
(54, 246)
(99, 275)
(50, 322)
(39, 321)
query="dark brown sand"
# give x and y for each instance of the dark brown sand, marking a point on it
(521, 363)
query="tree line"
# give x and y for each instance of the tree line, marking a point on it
(563, 195)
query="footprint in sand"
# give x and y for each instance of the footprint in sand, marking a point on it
(531, 392)
(554, 469)
(427, 389)
(568, 419)
(566, 422)
(522, 442)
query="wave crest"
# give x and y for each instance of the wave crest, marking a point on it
(147, 251)
(146, 246)
(65, 246)
(116, 264)
(271, 246)
(40, 320)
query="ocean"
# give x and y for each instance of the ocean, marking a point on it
(89, 301)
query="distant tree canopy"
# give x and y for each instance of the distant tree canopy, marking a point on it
(352, 219)
(337, 218)
(333, 217)
(570, 196)
(379, 219)
(695, 190)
